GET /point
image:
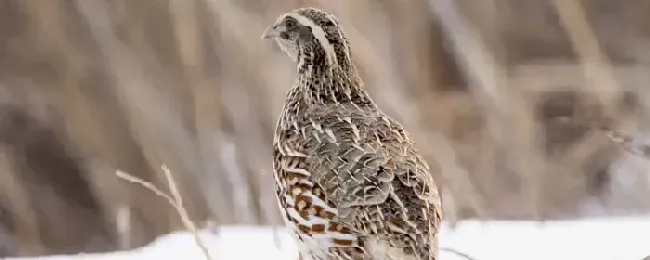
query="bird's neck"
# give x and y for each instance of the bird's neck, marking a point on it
(327, 80)
(332, 55)
(330, 85)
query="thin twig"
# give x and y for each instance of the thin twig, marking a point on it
(183, 213)
(175, 200)
(625, 140)
(458, 253)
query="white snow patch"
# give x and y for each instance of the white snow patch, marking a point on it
(593, 239)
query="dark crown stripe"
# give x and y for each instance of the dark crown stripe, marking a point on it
(319, 34)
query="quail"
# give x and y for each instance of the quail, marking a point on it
(349, 181)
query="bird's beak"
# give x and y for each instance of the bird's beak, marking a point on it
(269, 33)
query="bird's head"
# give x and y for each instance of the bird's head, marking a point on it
(309, 34)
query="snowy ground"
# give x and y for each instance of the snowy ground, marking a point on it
(601, 239)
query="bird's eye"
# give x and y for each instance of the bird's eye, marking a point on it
(290, 23)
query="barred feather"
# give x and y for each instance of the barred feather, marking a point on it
(349, 181)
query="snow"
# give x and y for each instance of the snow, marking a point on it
(593, 239)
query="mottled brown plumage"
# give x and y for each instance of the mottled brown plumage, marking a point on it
(350, 182)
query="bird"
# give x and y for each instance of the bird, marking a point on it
(349, 181)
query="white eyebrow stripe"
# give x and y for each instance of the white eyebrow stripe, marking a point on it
(319, 34)
(339, 30)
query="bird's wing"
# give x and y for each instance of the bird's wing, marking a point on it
(363, 171)
(371, 171)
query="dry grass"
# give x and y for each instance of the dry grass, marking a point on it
(91, 86)
(175, 200)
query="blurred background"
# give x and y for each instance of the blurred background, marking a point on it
(88, 87)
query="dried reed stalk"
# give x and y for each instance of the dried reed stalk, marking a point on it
(175, 200)
(506, 110)
(595, 63)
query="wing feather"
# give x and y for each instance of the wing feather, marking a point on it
(371, 172)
